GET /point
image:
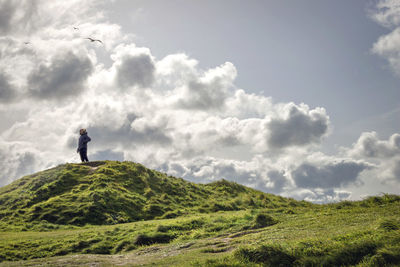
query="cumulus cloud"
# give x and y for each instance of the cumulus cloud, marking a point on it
(27, 17)
(243, 105)
(370, 146)
(107, 155)
(277, 181)
(131, 134)
(330, 175)
(209, 91)
(387, 46)
(256, 173)
(299, 126)
(64, 76)
(13, 17)
(134, 66)
(396, 169)
(389, 171)
(16, 160)
(173, 71)
(387, 13)
(384, 154)
(7, 92)
(321, 195)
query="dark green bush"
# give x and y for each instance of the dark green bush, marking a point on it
(153, 210)
(144, 239)
(263, 220)
(351, 254)
(165, 228)
(266, 255)
(386, 256)
(389, 225)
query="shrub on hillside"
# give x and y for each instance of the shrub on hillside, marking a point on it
(351, 254)
(389, 225)
(266, 255)
(153, 210)
(144, 239)
(263, 220)
(386, 257)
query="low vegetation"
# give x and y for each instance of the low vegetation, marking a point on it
(218, 224)
(118, 192)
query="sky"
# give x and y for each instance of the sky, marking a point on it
(295, 98)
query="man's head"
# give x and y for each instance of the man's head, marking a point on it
(82, 131)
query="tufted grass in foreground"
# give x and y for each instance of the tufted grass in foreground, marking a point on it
(364, 233)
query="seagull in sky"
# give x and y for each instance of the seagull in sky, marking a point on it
(27, 43)
(76, 28)
(94, 40)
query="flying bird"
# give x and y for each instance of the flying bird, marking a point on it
(94, 40)
(26, 43)
(76, 28)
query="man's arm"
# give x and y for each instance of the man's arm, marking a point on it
(87, 139)
(79, 144)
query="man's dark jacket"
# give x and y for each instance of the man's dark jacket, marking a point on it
(83, 140)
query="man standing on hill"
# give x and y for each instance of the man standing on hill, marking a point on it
(82, 145)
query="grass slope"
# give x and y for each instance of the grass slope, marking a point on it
(365, 233)
(118, 192)
(218, 224)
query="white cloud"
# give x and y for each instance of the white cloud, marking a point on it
(175, 70)
(7, 92)
(257, 173)
(297, 126)
(321, 195)
(15, 18)
(134, 66)
(65, 76)
(384, 154)
(16, 159)
(208, 91)
(390, 171)
(387, 13)
(370, 146)
(327, 176)
(388, 46)
(243, 105)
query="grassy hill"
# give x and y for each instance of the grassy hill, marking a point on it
(112, 192)
(113, 213)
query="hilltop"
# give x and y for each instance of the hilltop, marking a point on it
(111, 192)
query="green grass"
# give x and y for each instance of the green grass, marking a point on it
(355, 235)
(143, 217)
(112, 192)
